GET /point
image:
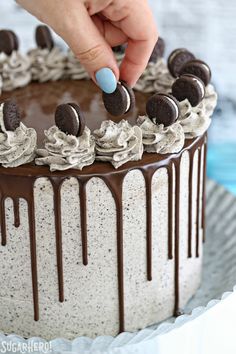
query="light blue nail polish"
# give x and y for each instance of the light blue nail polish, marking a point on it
(106, 80)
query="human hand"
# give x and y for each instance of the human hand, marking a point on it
(91, 28)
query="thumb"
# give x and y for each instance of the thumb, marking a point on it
(92, 50)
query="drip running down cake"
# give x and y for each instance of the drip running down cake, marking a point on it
(102, 216)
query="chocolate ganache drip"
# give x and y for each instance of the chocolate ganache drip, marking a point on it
(18, 183)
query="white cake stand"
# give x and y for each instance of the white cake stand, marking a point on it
(209, 325)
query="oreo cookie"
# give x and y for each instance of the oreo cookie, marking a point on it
(120, 49)
(11, 115)
(8, 41)
(121, 101)
(16, 40)
(177, 59)
(189, 87)
(198, 68)
(163, 109)
(158, 51)
(43, 37)
(69, 119)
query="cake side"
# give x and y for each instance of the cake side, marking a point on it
(128, 269)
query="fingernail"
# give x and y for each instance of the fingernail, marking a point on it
(106, 80)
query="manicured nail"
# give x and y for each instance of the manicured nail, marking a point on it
(106, 80)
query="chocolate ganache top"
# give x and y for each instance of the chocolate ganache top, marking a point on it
(38, 102)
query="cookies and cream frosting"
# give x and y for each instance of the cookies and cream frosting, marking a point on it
(156, 78)
(210, 100)
(16, 147)
(160, 139)
(118, 143)
(196, 120)
(14, 70)
(74, 69)
(47, 65)
(63, 151)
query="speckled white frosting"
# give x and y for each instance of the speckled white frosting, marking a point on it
(14, 70)
(91, 292)
(210, 100)
(63, 151)
(47, 65)
(196, 120)
(74, 69)
(156, 78)
(16, 147)
(118, 143)
(160, 139)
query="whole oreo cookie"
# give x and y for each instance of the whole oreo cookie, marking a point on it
(198, 68)
(189, 87)
(158, 51)
(8, 41)
(177, 59)
(69, 119)
(43, 37)
(11, 115)
(162, 109)
(121, 101)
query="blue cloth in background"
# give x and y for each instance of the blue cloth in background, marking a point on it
(222, 145)
(222, 164)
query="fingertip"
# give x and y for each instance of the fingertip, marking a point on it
(106, 80)
(130, 72)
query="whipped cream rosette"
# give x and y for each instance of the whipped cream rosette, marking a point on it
(118, 143)
(17, 142)
(47, 61)
(14, 66)
(210, 100)
(69, 144)
(160, 139)
(63, 151)
(47, 65)
(155, 78)
(162, 133)
(196, 120)
(74, 70)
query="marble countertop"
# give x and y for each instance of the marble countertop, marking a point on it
(207, 28)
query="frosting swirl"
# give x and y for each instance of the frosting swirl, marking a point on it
(160, 139)
(63, 151)
(210, 100)
(196, 120)
(47, 65)
(15, 70)
(156, 78)
(118, 143)
(16, 147)
(74, 69)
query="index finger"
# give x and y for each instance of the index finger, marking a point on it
(140, 28)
